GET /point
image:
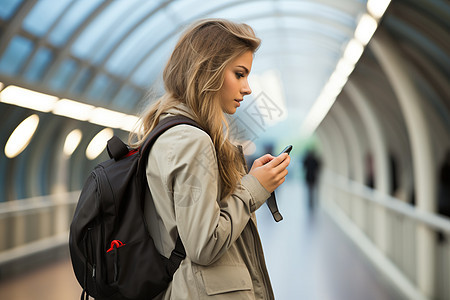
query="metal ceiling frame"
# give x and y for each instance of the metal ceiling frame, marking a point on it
(44, 40)
(15, 25)
(101, 66)
(63, 52)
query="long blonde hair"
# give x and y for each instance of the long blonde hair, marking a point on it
(193, 75)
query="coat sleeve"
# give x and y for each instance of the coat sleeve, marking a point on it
(207, 225)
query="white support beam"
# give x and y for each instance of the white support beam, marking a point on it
(396, 66)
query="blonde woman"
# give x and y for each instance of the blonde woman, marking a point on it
(197, 179)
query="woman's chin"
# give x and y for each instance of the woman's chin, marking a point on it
(230, 110)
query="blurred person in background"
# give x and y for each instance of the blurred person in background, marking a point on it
(311, 165)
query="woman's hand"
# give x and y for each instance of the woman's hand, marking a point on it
(270, 171)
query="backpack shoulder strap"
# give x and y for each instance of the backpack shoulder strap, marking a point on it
(178, 254)
(162, 126)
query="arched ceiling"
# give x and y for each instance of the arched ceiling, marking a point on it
(108, 53)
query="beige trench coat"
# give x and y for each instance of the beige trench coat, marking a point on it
(224, 256)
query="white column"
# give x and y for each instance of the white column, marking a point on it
(396, 66)
(337, 142)
(377, 142)
(357, 161)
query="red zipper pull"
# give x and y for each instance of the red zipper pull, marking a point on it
(116, 243)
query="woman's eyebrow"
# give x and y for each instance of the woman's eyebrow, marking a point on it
(245, 69)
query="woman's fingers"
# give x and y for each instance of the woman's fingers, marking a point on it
(265, 159)
(271, 171)
(283, 164)
(278, 167)
(280, 162)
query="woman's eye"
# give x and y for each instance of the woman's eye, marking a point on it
(239, 75)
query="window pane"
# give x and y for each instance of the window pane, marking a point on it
(99, 87)
(121, 29)
(62, 77)
(81, 81)
(15, 55)
(151, 69)
(39, 64)
(102, 27)
(185, 10)
(137, 42)
(74, 17)
(126, 96)
(111, 90)
(8, 8)
(43, 15)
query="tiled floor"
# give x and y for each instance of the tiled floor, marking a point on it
(307, 255)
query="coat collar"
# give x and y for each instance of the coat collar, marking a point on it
(179, 109)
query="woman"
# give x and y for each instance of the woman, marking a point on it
(197, 178)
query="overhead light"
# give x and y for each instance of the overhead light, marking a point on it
(130, 123)
(68, 108)
(365, 29)
(98, 143)
(21, 136)
(377, 8)
(73, 139)
(353, 51)
(344, 67)
(336, 82)
(73, 109)
(27, 98)
(106, 117)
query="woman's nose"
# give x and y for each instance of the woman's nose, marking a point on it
(246, 90)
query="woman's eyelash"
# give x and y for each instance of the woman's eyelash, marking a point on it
(239, 75)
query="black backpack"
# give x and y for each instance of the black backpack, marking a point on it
(113, 255)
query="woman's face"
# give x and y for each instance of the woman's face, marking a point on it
(235, 85)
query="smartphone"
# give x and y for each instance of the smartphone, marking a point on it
(286, 150)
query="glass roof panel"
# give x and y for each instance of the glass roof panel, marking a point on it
(262, 24)
(101, 27)
(244, 10)
(185, 11)
(159, 33)
(121, 28)
(133, 48)
(72, 20)
(153, 65)
(43, 15)
(39, 63)
(8, 8)
(320, 28)
(81, 81)
(316, 10)
(64, 75)
(101, 83)
(15, 55)
(124, 96)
